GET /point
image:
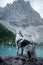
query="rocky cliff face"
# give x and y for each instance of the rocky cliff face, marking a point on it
(20, 13)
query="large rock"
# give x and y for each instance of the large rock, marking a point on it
(20, 60)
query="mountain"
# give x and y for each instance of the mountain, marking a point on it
(21, 16)
(5, 34)
(21, 12)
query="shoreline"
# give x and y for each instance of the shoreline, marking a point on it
(15, 46)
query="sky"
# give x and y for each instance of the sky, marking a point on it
(36, 5)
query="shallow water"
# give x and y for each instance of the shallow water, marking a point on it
(39, 51)
(6, 51)
(11, 51)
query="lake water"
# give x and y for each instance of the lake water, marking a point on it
(6, 51)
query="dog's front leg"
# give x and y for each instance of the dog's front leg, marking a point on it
(22, 51)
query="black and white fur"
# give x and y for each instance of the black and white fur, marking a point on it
(21, 43)
(30, 50)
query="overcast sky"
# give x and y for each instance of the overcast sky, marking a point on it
(36, 4)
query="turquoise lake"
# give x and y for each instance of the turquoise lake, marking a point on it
(6, 51)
